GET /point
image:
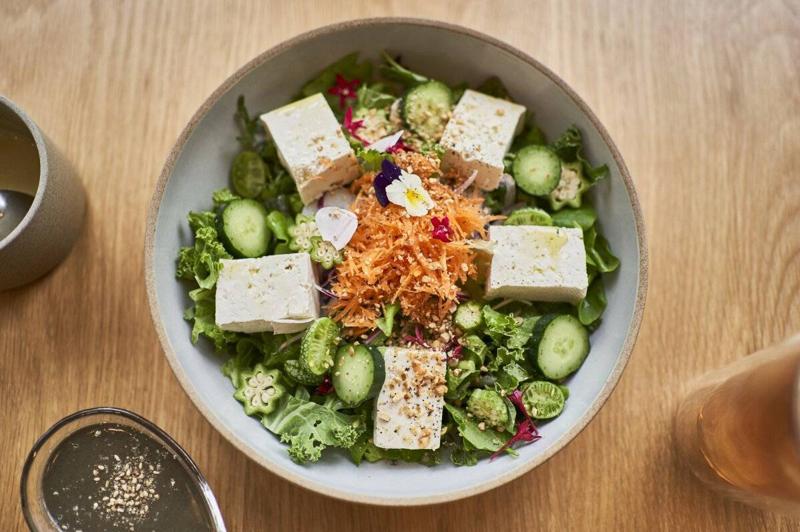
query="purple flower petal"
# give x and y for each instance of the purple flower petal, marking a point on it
(389, 173)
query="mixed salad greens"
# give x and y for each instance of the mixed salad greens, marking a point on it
(505, 362)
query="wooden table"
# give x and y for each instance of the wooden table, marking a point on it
(701, 98)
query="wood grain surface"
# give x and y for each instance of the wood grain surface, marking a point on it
(701, 98)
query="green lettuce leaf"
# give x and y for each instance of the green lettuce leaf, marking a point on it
(592, 306)
(373, 97)
(598, 251)
(493, 86)
(365, 450)
(248, 126)
(309, 428)
(371, 160)
(397, 72)
(483, 440)
(583, 217)
(223, 196)
(201, 261)
(569, 147)
(202, 316)
(509, 377)
(458, 380)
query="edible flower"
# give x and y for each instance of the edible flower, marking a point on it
(407, 192)
(336, 225)
(388, 174)
(344, 89)
(352, 126)
(390, 144)
(441, 228)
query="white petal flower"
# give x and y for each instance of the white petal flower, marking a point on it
(407, 191)
(336, 225)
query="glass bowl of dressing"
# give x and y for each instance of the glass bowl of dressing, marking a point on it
(107, 468)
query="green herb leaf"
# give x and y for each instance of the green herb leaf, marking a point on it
(598, 251)
(248, 127)
(592, 306)
(484, 440)
(279, 224)
(494, 86)
(583, 217)
(386, 322)
(569, 147)
(223, 196)
(397, 72)
(373, 97)
(371, 160)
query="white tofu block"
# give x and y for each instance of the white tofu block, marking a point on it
(274, 293)
(408, 412)
(537, 263)
(478, 136)
(311, 146)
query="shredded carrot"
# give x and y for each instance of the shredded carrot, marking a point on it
(393, 256)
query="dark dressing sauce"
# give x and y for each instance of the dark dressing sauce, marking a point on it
(114, 477)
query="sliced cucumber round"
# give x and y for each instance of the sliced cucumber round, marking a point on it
(243, 228)
(561, 344)
(528, 216)
(537, 170)
(426, 109)
(249, 174)
(542, 399)
(319, 345)
(358, 373)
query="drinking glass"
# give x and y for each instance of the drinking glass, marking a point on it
(738, 430)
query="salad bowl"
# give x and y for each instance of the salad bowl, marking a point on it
(199, 164)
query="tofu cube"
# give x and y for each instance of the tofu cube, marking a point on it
(537, 263)
(311, 146)
(274, 293)
(408, 412)
(478, 136)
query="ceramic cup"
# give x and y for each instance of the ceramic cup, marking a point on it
(49, 229)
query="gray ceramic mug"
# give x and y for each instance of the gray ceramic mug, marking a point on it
(30, 163)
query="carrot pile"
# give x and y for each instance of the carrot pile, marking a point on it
(393, 257)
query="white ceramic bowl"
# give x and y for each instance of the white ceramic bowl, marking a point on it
(199, 165)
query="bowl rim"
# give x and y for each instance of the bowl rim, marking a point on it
(274, 467)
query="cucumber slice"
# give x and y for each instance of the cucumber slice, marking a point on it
(528, 216)
(296, 372)
(537, 170)
(243, 228)
(468, 316)
(317, 348)
(542, 399)
(358, 373)
(249, 174)
(426, 109)
(561, 344)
